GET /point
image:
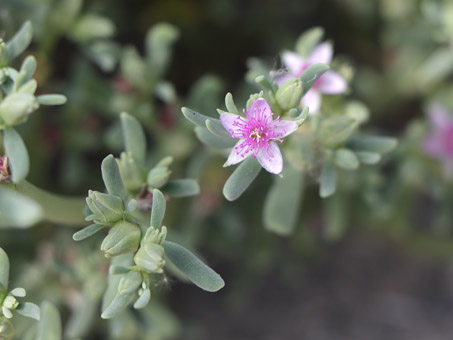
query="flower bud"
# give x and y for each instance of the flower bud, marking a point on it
(150, 257)
(132, 173)
(124, 237)
(16, 107)
(10, 302)
(130, 282)
(289, 94)
(106, 208)
(6, 329)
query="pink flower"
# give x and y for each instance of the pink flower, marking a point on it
(257, 134)
(329, 83)
(2, 163)
(439, 144)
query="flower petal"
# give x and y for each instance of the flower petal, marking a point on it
(231, 123)
(439, 116)
(284, 78)
(312, 99)
(284, 127)
(259, 110)
(237, 153)
(293, 62)
(321, 54)
(271, 159)
(332, 83)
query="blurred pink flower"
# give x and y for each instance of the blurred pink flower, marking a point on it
(257, 134)
(329, 83)
(439, 144)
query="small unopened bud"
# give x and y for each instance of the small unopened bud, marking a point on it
(150, 257)
(124, 237)
(130, 282)
(16, 107)
(106, 208)
(289, 94)
(10, 302)
(132, 173)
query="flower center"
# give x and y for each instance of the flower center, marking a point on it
(257, 134)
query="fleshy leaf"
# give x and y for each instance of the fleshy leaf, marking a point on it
(346, 159)
(51, 99)
(87, 232)
(17, 210)
(282, 203)
(49, 327)
(373, 144)
(216, 127)
(368, 157)
(112, 178)
(194, 117)
(182, 187)
(30, 310)
(208, 138)
(143, 300)
(17, 154)
(308, 41)
(134, 137)
(328, 181)
(230, 105)
(20, 41)
(119, 303)
(4, 269)
(158, 208)
(312, 74)
(197, 272)
(241, 178)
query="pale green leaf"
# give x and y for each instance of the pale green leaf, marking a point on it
(112, 178)
(17, 154)
(134, 137)
(158, 208)
(328, 181)
(241, 178)
(197, 272)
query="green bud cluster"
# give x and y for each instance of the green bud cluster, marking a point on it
(9, 301)
(289, 94)
(159, 175)
(132, 172)
(151, 255)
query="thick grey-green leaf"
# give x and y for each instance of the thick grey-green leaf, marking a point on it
(373, 144)
(158, 209)
(28, 67)
(241, 178)
(92, 26)
(87, 232)
(181, 187)
(308, 41)
(197, 272)
(216, 127)
(281, 207)
(194, 117)
(312, 74)
(4, 269)
(17, 154)
(346, 159)
(336, 130)
(208, 138)
(112, 178)
(328, 181)
(367, 157)
(20, 41)
(143, 300)
(49, 327)
(158, 42)
(230, 105)
(134, 137)
(17, 210)
(51, 99)
(30, 310)
(119, 303)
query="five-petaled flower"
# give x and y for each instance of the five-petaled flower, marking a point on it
(329, 83)
(439, 144)
(257, 133)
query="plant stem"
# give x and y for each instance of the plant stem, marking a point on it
(57, 209)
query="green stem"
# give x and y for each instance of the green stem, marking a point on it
(57, 209)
